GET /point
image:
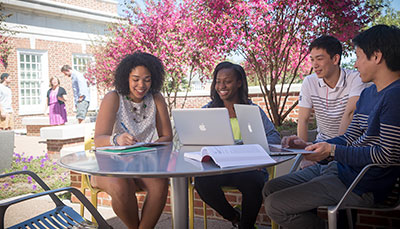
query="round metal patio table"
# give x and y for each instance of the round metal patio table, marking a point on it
(164, 162)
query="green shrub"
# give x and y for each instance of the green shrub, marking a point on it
(289, 127)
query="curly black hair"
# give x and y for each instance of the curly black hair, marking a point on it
(240, 75)
(131, 61)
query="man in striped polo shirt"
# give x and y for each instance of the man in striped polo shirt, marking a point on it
(372, 137)
(332, 91)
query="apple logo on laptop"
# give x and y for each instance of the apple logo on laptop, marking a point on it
(249, 127)
(202, 127)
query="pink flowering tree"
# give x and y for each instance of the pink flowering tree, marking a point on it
(5, 45)
(164, 30)
(273, 37)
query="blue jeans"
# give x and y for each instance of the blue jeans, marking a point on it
(291, 199)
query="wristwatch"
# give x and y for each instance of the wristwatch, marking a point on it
(332, 152)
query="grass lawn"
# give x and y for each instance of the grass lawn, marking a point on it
(52, 174)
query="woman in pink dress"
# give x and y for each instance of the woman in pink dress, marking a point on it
(56, 102)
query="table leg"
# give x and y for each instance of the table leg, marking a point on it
(180, 215)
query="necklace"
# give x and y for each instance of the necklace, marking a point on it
(138, 109)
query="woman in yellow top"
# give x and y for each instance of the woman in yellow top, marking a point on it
(229, 87)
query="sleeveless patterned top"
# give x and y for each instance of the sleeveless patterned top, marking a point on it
(139, 118)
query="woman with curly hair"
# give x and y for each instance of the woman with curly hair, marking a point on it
(132, 113)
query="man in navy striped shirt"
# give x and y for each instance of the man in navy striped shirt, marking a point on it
(372, 137)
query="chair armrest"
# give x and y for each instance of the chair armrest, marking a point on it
(38, 180)
(296, 163)
(100, 220)
(355, 182)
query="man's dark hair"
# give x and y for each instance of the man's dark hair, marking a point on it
(3, 77)
(240, 74)
(330, 43)
(383, 38)
(131, 61)
(65, 68)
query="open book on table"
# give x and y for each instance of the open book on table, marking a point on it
(232, 155)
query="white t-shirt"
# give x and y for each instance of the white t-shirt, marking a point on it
(330, 103)
(5, 98)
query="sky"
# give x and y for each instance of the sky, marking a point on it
(396, 4)
(121, 5)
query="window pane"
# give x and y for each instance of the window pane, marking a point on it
(30, 73)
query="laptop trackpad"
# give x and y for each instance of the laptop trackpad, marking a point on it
(278, 150)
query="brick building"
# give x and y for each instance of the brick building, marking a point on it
(51, 33)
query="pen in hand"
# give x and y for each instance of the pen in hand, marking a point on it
(131, 139)
(124, 127)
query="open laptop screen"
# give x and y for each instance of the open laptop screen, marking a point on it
(208, 126)
(253, 132)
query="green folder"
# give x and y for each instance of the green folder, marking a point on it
(130, 150)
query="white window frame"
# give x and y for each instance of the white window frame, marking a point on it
(38, 108)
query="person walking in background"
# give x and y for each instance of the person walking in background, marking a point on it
(56, 102)
(81, 91)
(134, 112)
(6, 111)
(229, 87)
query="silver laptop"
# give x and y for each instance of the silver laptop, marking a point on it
(210, 126)
(252, 130)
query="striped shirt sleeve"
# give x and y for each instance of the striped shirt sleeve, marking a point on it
(374, 138)
(305, 96)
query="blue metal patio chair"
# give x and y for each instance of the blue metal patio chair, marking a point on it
(62, 216)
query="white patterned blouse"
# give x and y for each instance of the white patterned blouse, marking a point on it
(139, 118)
